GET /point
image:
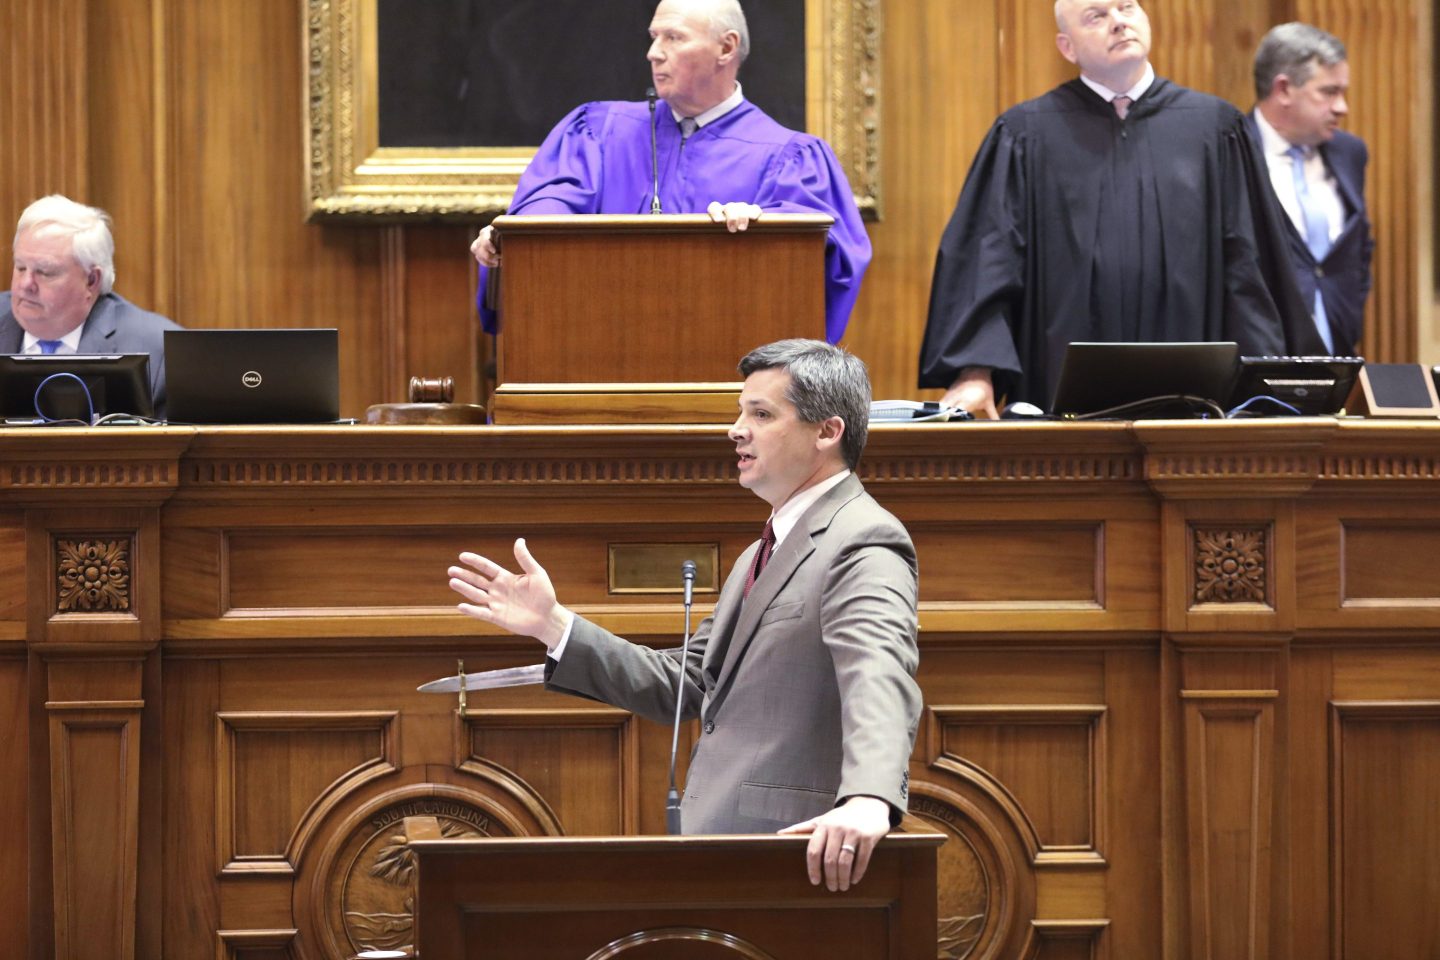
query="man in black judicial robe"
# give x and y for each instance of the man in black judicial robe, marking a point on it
(1117, 207)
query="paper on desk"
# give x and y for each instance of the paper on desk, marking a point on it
(487, 679)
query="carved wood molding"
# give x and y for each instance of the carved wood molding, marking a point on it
(717, 943)
(1229, 776)
(1231, 564)
(235, 944)
(1088, 717)
(93, 576)
(230, 786)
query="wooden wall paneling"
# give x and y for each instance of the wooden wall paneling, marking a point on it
(95, 805)
(1132, 812)
(126, 119)
(442, 330)
(247, 258)
(278, 771)
(14, 800)
(191, 914)
(1384, 41)
(1310, 874)
(940, 70)
(1385, 765)
(43, 106)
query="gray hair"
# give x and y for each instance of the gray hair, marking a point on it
(87, 227)
(825, 382)
(1294, 49)
(725, 16)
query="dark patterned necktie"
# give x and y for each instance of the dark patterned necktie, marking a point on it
(762, 556)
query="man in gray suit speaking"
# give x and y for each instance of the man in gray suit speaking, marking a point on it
(803, 678)
(60, 298)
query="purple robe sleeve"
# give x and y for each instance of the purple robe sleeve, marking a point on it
(805, 177)
(564, 177)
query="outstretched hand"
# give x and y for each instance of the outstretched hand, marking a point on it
(842, 840)
(522, 603)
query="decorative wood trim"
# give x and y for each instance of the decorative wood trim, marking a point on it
(230, 944)
(227, 724)
(93, 575)
(94, 889)
(1091, 716)
(1398, 711)
(1217, 908)
(622, 722)
(1064, 931)
(1231, 564)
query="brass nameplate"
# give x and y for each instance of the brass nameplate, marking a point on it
(655, 567)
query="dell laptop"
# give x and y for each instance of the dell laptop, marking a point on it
(252, 376)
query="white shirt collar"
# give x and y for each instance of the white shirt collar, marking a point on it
(782, 521)
(1271, 142)
(1134, 93)
(717, 111)
(70, 343)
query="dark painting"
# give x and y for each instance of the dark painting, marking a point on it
(501, 73)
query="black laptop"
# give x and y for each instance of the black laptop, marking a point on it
(252, 376)
(1098, 377)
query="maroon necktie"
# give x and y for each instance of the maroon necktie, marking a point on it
(762, 556)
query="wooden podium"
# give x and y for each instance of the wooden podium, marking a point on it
(656, 898)
(641, 319)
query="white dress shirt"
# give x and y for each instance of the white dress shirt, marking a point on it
(1134, 93)
(1321, 184)
(717, 111)
(70, 343)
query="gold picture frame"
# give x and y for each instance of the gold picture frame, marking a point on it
(349, 175)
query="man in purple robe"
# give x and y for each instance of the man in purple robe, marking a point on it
(717, 153)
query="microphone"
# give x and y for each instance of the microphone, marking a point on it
(672, 799)
(654, 159)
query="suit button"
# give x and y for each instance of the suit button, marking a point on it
(709, 726)
(1320, 272)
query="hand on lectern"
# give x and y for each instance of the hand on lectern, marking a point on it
(842, 839)
(484, 250)
(522, 603)
(735, 216)
(974, 392)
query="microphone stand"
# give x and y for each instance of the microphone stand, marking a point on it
(654, 168)
(672, 799)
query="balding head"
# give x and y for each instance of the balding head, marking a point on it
(695, 52)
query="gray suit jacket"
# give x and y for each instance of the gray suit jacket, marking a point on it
(806, 690)
(115, 325)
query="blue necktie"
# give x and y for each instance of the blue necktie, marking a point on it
(1317, 236)
(49, 346)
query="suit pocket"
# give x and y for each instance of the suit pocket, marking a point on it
(767, 801)
(783, 611)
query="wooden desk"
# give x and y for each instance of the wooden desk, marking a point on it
(1182, 679)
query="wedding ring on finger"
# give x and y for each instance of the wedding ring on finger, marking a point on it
(848, 848)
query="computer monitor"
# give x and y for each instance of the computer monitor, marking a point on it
(1312, 385)
(253, 376)
(74, 386)
(1097, 377)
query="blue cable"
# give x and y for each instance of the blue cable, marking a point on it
(1274, 400)
(89, 400)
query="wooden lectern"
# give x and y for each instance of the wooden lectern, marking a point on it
(655, 898)
(641, 319)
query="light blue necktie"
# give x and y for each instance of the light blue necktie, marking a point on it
(1317, 237)
(49, 346)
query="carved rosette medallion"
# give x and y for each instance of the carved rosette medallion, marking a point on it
(93, 576)
(374, 881)
(1230, 565)
(965, 886)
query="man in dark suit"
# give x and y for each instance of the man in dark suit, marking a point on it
(1318, 173)
(803, 678)
(60, 298)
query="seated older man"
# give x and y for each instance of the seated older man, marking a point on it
(60, 298)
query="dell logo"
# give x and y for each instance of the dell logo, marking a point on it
(251, 378)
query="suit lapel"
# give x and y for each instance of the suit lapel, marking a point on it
(796, 549)
(11, 336)
(99, 333)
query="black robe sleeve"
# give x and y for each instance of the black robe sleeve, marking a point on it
(980, 270)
